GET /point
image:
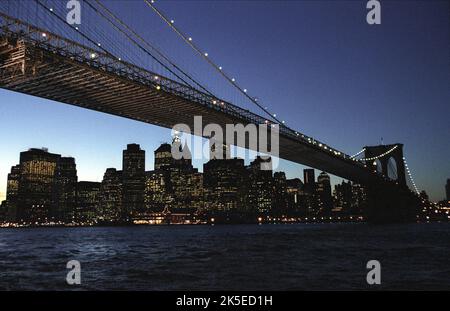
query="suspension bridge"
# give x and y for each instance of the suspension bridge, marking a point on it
(42, 55)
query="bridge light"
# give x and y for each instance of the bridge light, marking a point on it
(156, 77)
(76, 28)
(44, 34)
(158, 87)
(220, 68)
(245, 90)
(51, 9)
(190, 39)
(275, 115)
(120, 59)
(233, 79)
(99, 44)
(206, 54)
(172, 21)
(282, 121)
(93, 55)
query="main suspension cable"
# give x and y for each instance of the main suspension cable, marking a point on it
(204, 55)
(146, 43)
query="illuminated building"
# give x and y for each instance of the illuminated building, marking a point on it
(65, 189)
(309, 180)
(309, 199)
(157, 191)
(280, 198)
(133, 181)
(36, 185)
(12, 191)
(163, 157)
(294, 190)
(88, 200)
(343, 197)
(174, 183)
(359, 199)
(111, 196)
(224, 184)
(42, 187)
(260, 194)
(323, 191)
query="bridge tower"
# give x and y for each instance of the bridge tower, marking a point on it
(384, 154)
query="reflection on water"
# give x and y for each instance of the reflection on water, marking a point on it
(244, 257)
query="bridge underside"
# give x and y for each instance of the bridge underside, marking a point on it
(56, 75)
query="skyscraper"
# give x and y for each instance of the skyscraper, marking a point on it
(343, 197)
(88, 199)
(133, 179)
(12, 192)
(309, 180)
(224, 184)
(309, 199)
(163, 156)
(64, 189)
(294, 189)
(324, 193)
(260, 195)
(111, 196)
(280, 193)
(36, 185)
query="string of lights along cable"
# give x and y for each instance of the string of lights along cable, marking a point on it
(408, 171)
(205, 55)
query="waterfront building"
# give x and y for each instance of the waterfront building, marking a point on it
(280, 195)
(65, 189)
(261, 191)
(88, 201)
(323, 190)
(343, 197)
(111, 196)
(36, 185)
(133, 181)
(12, 192)
(224, 182)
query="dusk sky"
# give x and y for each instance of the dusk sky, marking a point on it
(317, 64)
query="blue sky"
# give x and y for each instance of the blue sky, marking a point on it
(317, 64)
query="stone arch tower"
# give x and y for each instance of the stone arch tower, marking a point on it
(396, 154)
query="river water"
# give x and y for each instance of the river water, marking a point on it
(227, 257)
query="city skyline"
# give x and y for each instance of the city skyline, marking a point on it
(348, 48)
(44, 187)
